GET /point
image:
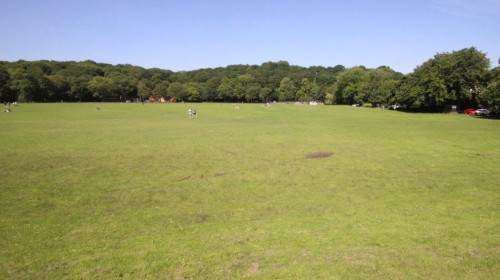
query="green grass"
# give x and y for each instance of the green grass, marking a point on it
(142, 192)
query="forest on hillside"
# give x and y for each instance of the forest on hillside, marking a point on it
(463, 78)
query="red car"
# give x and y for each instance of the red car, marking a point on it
(470, 111)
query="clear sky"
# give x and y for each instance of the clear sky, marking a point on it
(193, 34)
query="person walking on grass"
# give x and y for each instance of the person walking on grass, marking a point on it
(190, 112)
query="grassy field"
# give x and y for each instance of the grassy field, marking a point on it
(142, 192)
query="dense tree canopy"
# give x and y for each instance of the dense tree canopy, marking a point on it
(449, 78)
(460, 78)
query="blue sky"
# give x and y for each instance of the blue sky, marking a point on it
(193, 34)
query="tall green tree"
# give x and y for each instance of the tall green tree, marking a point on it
(307, 91)
(60, 87)
(160, 89)
(265, 94)
(125, 86)
(350, 86)
(381, 84)
(210, 92)
(225, 89)
(193, 91)
(79, 90)
(27, 86)
(489, 97)
(433, 92)
(176, 91)
(252, 92)
(102, 88)
(144, 89)
(407, 91)
(286, 90)
(464, 73)
(7, 94)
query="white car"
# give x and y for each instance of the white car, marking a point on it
(482, 112)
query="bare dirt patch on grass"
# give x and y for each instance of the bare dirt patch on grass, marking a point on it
(319, 155)
(253, 270)
(486, 155)
(201, 218)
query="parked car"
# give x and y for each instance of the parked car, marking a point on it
(469, 111)
(483, 112)
(397, 107)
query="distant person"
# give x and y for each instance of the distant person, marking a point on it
(190, 112)
(194, 114)
(6, 108)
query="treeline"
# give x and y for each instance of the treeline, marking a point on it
(462, 78)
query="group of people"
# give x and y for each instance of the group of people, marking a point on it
(6, 106)
(192, 113)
